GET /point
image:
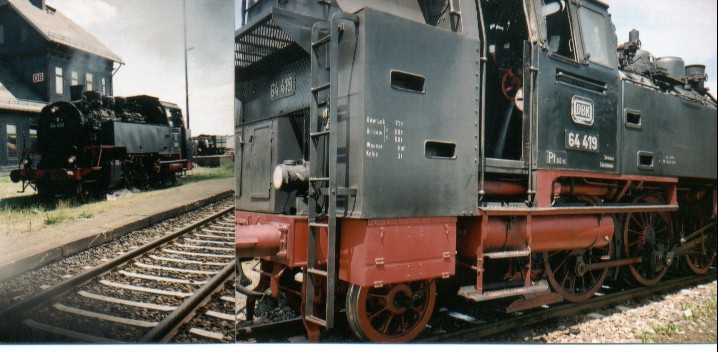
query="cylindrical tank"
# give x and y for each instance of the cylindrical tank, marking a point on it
(675, 66)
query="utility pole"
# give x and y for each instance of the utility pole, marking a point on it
(186, 80)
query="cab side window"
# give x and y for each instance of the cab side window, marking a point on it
(595, 37)
(558, 29)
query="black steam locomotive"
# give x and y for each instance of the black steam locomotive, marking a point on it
(493, 148)
(96, 143)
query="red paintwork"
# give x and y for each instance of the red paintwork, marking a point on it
(388, 251)
(545, 183)
(548, 233)
(372, 252)
(293, 252)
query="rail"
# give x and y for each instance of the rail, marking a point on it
(165, 329)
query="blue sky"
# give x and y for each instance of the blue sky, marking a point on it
(148, 36)
(683, 28)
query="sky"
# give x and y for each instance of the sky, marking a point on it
(683, 28)
(148, 36)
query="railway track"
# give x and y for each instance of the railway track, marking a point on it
(474, 321)
(180, 285)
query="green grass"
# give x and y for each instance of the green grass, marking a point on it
(208, 173)
(707, 309)
(644, 336)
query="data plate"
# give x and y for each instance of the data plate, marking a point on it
(586, 142)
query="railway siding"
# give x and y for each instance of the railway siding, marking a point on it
(52, 244)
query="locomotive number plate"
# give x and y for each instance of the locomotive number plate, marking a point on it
(582, 141)
(283, 88)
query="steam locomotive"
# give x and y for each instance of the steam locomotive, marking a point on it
(390, 150)
(96, 143)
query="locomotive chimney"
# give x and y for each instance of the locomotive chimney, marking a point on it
(634, 36)
(76, 92)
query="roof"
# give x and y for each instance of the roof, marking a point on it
(16, 96)
(59, 29)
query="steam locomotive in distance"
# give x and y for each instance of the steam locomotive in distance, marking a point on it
(392, 151)
(96, 143)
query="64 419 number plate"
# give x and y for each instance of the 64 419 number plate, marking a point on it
(586, 142)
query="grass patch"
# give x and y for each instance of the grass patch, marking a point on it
(86, 214)
(666, 329)
(707, 309)
(208, 173)
(658, 329)
(644, 336)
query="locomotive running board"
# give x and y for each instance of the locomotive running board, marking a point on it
(629, 208)
(470, 292)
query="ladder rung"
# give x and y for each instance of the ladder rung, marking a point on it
(315, 320)
(319, 134)
(318, 179)
(508, 254)
(321, 88)
(317, 272)
(318, 224)
(322, 41)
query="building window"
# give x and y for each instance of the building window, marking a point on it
(75, 79)
(11, 141)
(23, 33)
(33, 137)
(104, 87)
(2, 34)
(59, 82)
(88, 81)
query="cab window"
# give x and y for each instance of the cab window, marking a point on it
(559, 35)
(595, 37)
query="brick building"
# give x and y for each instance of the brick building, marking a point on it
(42, 54)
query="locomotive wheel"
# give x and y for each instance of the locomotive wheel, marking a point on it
(83, 192)
(701, 257)
(391, 313)
(565, 277)
(648, 236)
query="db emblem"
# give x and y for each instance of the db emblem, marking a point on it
(582, 110)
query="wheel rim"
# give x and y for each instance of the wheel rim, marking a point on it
(567, 281)
(392, 313)
(701, 257)
(643, 234)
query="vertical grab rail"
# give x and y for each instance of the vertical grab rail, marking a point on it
(317, 175)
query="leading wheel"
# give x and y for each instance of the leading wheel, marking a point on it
(391, 313)
(648, 236)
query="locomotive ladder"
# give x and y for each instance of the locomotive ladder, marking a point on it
(323, 169)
